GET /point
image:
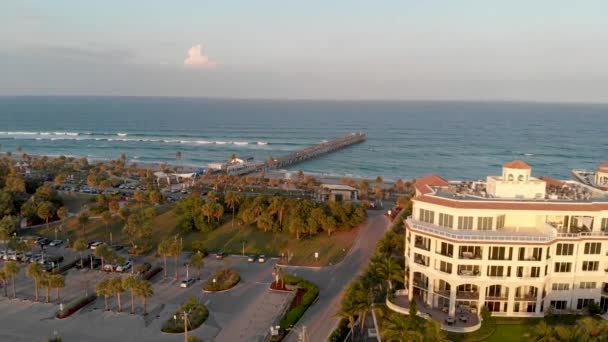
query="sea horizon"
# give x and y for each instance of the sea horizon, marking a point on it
(406, 139)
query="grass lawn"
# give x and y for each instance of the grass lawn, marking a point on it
(514, 329)
(225, 238)
(75, 200)
(229, 239)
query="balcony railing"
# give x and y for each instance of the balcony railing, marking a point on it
(497, 296)
(421, 261)
(526, 297)
(469, 273)
(469, 256)
(420, 284)
(422, 246)
(467, 295)
(530, 258)
(445, 293)
(479, 235)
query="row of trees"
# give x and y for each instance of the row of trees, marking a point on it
(44, 280)
(115, 287)
(585, 329)
(300, 217)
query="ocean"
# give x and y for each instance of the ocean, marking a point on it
(456, 140)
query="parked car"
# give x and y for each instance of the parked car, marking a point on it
(186, 282)
(53, 258)
(262, 259)
(117, 247)
(55, 243)
(96, 244)
(108, 268)
(43, 241)
(252, 258)
(221, 255)
(86, 263)
(124, 267)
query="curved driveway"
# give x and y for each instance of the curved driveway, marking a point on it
(319, 319)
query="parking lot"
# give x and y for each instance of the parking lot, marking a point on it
(243, 313)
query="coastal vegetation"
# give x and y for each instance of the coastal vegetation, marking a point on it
(189, 316)
(306, 294)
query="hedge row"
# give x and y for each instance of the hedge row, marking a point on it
(295, 313)
(151, 273)
(65, 267)
(75, 305)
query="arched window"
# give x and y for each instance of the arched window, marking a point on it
(520, 178)
(510, 178)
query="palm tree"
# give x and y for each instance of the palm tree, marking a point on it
(208, 210)
(277, 207)
(103, 289)
(130, 283)
(11, 269)
(46, 283)
(83, 219)
(433, 332)
(34, 271)
(117, 285)
(4, 280)
(232, 200)
(542, 332)
(397, 327)
(44, 211)
(196, 260)
(80, 246)
(347, 311)
(106, 217)
(145, 291)
(57, 281)
(566, 334)
(102, 252)
(164, 250)
(388, 270)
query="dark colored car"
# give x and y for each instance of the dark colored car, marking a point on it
(221, 255)
(117, 247)
(43, 241)
(87, 263)
(143, 268)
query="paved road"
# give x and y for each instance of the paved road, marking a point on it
(332, 280)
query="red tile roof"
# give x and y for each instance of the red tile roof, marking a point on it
(517, 164)
(523, 205)
(552, 181)
(423, 184)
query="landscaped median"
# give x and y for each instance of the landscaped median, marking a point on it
(192, 314)
(75, 305)
(306, 293)
(222, 280)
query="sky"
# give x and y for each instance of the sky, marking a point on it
(541, 50)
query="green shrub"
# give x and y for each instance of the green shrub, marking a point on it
(198, 313)
(224, 280)
(75, 305)
(295, 313)
(339, 335)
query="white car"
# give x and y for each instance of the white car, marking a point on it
(187, 282)
(262, 259)
(55, 243)
(126, 266)
(94, 245)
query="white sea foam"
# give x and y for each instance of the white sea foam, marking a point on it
(240, 143)
(262, 143)
(122, 134)
(221, 142)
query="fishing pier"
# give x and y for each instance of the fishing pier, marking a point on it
(316, 151)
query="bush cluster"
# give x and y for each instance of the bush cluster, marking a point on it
(197, 314)
(150, 273)
(224, 280)
(295, 313)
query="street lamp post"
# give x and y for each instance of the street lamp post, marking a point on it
(243, 243)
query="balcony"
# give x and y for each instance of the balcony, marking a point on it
(422, 246)
(497, 296)
(469, 256)
(526, 297)
(467, 295)
(421, 261)
(420, 284)
(442, 292)
(469, 273)
(530, 258)
(445, 254)
(505, 234)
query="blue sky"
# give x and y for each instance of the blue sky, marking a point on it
(479, 50)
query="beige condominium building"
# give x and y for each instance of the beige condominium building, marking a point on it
(520, 245)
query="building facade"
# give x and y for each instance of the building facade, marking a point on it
(510, 243)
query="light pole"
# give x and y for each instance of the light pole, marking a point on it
(185, 326)
(187, 271)
(243, 243)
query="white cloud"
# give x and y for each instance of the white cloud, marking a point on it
(197, 58)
